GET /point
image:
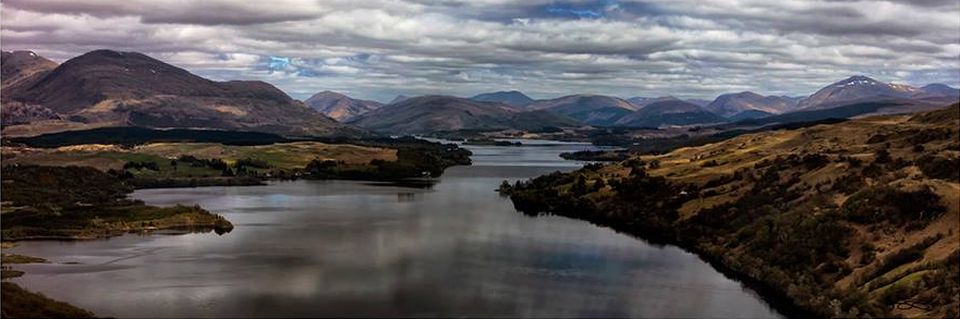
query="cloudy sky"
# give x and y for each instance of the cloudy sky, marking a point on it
(377, 49)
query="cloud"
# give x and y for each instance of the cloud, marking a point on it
(378, 48)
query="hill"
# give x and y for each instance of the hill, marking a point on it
(857, 218)
(340, 107)
(512, 98)
(728, 105)
(435, 113)
(22, 68)
(129, 88)
(670, 112)
(590, 109)
(854, 88)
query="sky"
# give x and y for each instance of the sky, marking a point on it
(377, 49)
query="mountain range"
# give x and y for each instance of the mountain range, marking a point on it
(438, 113)
(110, 88)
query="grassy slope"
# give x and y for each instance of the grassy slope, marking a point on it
(726, 219)
(20, 303)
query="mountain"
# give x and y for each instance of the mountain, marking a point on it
(671, 112)
(512, 98)
(639, 101)
(698, 102)
(398, 99)
(877, 106)
(749, 115)
(590, 109)
(19, 69)
(734, 103)
(853, 89)
(340, 107)
(437, 113)
(22, 68)
(938, 90)
(110, 88)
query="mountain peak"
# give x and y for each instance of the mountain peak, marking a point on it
(858, 80)
(513, 98)
(340, 106)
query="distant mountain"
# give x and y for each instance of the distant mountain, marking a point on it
(340, 107)
(590, 109)
(132, 89)
(749, 115)
(938, 90)
(854, 89)
(671, 112)
(437, 113)
(22, 68)
(639, 101)
(734, 103)
(398, 99)
(512, 98)
(876, 106)
(698, 102)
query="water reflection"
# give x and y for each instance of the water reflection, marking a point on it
(341, 248)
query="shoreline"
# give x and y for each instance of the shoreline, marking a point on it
(773, 296)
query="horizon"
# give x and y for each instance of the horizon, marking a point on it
(626, 98)
(545, 49)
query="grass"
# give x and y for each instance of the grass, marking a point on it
(19, 259)
(281, 155)
(20, 303)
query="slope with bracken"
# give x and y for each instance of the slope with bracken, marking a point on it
(857, 218)
(109, 88)
(436, 113)
(340, 107)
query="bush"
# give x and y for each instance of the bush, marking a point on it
(887, 204)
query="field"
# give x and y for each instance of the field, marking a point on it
(283, 156)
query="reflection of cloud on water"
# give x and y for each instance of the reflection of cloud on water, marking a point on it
(454, 248)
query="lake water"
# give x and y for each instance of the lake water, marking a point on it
(342, 248)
